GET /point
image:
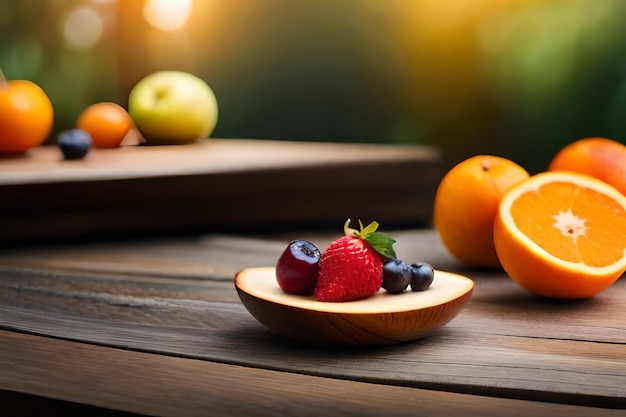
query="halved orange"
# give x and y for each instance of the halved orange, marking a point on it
(562, 234)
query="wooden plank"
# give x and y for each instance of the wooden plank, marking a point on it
(159, 385)
(225, 184)
(45, 164)
(17, 404)
(454, 360)
(178, 298)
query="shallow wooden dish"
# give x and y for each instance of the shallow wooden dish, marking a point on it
(379, 320)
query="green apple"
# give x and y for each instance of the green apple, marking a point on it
(173, 107)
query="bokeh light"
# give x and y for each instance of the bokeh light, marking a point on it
(517, 78)
(83, 27)
(167, 15)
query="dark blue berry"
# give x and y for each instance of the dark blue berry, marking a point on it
(422, 276)
(396, 276)
(74, 143)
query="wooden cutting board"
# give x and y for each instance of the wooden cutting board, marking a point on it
(214, 185)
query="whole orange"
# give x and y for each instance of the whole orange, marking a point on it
(107, 123)
(466, 203)
(26, 115)
(562, 234)
(602, 158)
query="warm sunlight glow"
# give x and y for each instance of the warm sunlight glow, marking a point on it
(167, 15)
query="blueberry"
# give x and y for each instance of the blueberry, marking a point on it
(74, 143)
(396, 276)
(422, 275)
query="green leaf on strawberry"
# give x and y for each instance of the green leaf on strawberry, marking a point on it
(381, 242)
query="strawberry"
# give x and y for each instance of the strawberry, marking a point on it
(352, 266)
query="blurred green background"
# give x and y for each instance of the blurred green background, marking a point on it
(516, 78)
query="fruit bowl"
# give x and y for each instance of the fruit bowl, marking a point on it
(383, 319)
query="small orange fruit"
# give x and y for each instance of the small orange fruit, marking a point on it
(466, 203)
(562, 234)
(107, 123)
(601, 158)
(26, 115)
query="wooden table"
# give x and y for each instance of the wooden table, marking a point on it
(224, 184)
(154, 327)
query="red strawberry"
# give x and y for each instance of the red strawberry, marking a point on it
(352, 266)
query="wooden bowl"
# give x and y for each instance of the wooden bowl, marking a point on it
(379, 320)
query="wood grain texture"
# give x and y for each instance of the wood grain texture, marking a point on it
(379, 320)
(177, 298)
(171, 386)
(225, 184)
